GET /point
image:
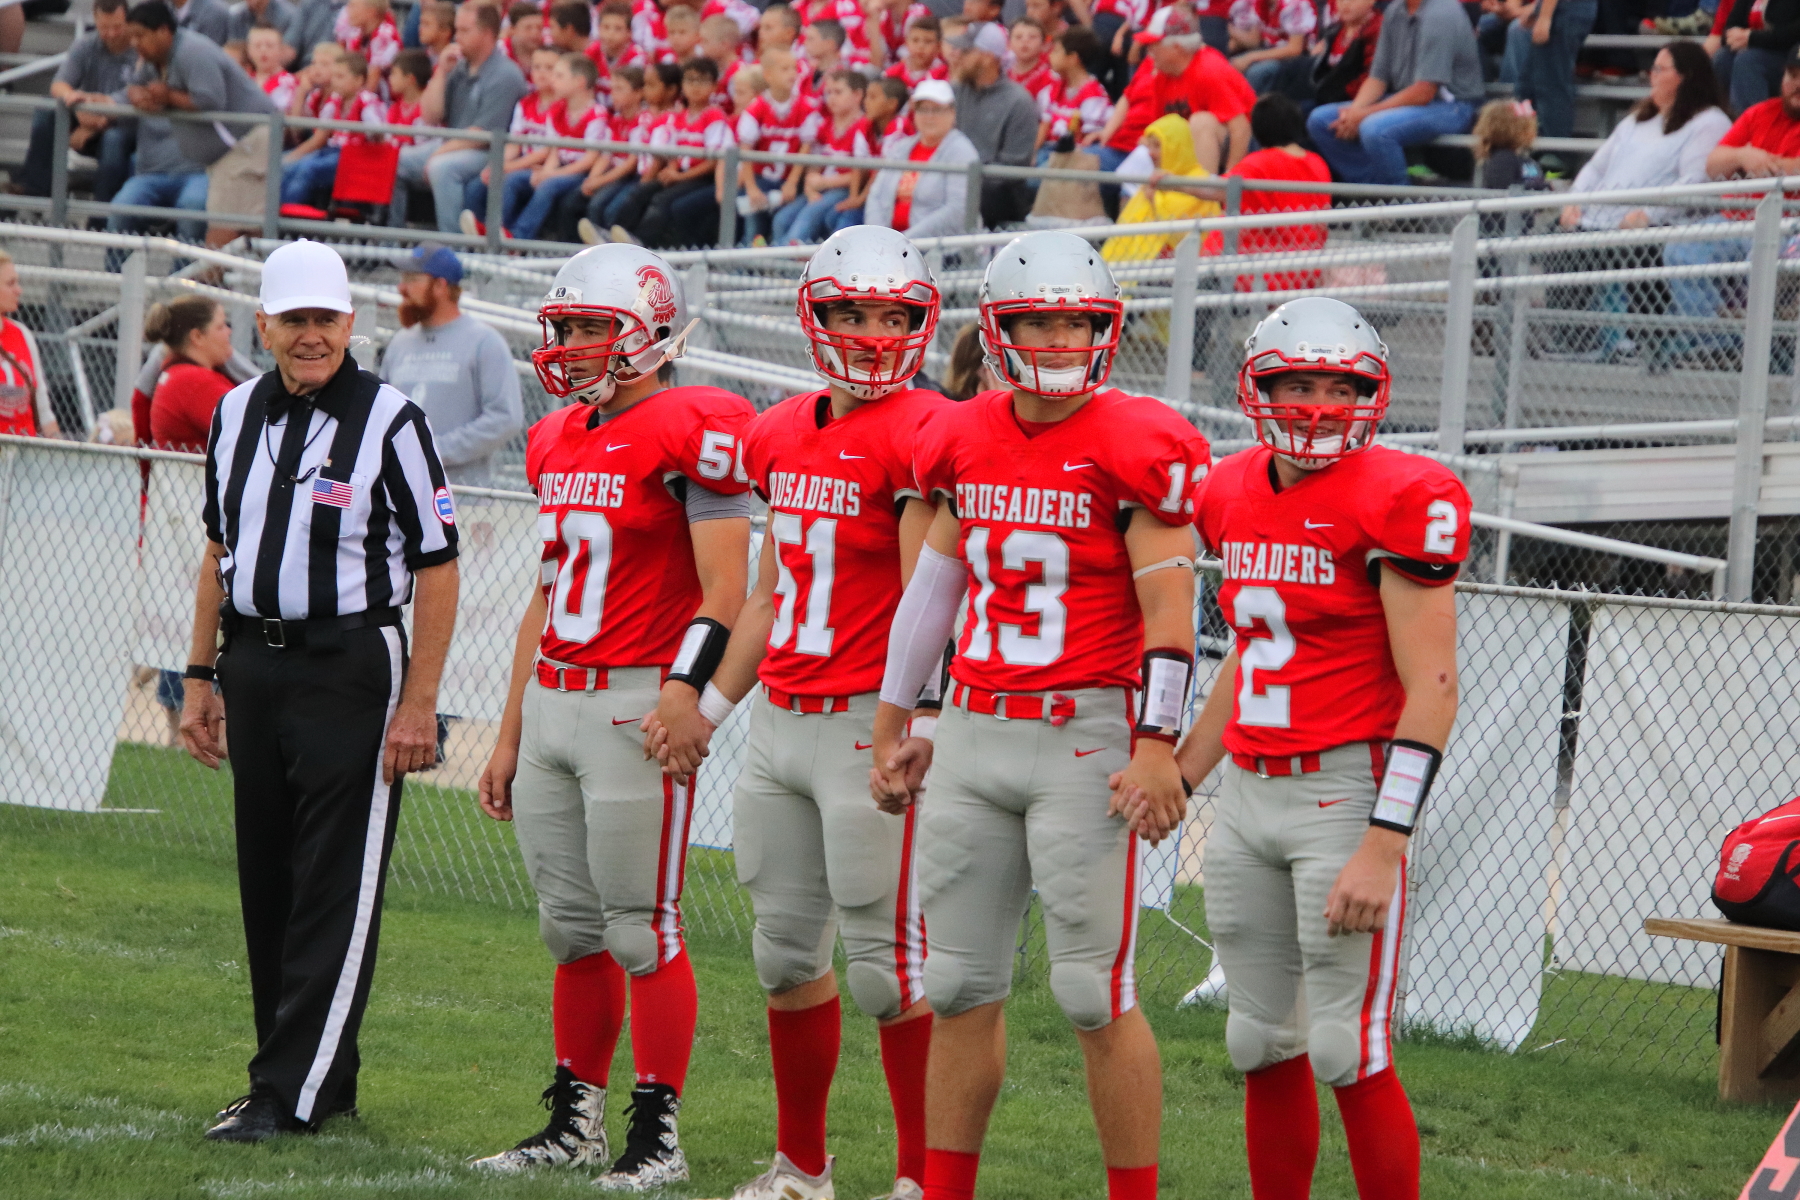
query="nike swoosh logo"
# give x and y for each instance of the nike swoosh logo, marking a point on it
(1310, 525)
(1085, 753)
(865, 745)
(842, 455)
(1329, 803)
(610, 447)
(627, 721)
(1076, 466)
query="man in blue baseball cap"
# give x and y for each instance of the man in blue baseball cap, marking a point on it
(454, 367)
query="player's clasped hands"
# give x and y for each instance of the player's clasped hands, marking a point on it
(897, 781)
(678, 737)
(1149, 795)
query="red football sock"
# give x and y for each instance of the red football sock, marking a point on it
(663, 1008)
(904, 1048)
(587, 1009)
(950, 1174)
(1383, 1137)
(1131, 1183)
(1281, 1129)
(804, 1048)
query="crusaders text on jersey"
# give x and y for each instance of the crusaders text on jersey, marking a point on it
(834, 496)
(1302, 588)
(618, 563)
(1051, 599)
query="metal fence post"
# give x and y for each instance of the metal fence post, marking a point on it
(728, 199)
(1178, 380)
(1234, 204)
(59, 166)
(363, 327)
(272, 182)
(1459, 327)
(133, 299)
(693, 290)
(972, 201)
(496, 189)
(1753, 396)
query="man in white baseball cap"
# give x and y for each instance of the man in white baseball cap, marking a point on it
(327, 511)
(998, 115)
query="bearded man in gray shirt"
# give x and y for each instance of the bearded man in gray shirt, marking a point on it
(454, 367)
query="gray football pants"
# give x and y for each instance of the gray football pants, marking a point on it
(1014, 804)
(819, 858)
(603, 831)
(1275, 849)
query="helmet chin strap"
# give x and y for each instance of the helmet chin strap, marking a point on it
(1066, 381)
(602, 389)
(863, 390)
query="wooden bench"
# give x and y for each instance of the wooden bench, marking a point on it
(1759, 1015)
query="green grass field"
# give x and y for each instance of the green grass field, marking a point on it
(124, 1023)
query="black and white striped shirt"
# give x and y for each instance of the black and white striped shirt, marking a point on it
(326, 504)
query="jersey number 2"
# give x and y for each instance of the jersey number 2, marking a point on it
(820, 541)
(580, 591)
(1269, 708)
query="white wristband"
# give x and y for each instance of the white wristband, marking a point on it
(922, 727)
(714, 706)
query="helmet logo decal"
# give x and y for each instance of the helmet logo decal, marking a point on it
(563, 295)
(655, 294)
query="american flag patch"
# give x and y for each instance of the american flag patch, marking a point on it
(334, 492)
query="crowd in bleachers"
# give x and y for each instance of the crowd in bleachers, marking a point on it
(1303, 90)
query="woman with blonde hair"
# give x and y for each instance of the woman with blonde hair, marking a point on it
(24, 401)
(1171, 149)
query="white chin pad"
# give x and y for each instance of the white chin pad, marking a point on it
(858, 382)
(1043, 381)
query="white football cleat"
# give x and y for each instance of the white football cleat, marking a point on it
(784, 1181)
(904, 1189)
(575, 1136)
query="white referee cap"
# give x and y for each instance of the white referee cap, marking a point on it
(305, 274)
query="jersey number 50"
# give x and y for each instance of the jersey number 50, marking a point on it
(580, 570)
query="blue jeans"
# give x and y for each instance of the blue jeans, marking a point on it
(159, 191)
(309, 180)
(803, 222)
(515, 194)
(1379, 153)
(1749, 76)
(1699, 296)
(530, 220)
(1545, 75)
(681, 215)
(1292, 77)
(112, 148)
(763, 222)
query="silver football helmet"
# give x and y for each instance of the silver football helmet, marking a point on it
(1050, 271)
(1316, 334)
(868, 262)
(633, 289)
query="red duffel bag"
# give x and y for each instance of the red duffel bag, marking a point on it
(1759, 870)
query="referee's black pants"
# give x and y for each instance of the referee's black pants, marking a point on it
(315, 827)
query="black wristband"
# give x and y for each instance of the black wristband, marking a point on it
(197, 671)
(1167, 675)
(1186, 787)
(702, 649)
(1405, 780)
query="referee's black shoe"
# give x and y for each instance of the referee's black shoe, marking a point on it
(256, 1117)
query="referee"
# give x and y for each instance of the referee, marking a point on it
(326, 509)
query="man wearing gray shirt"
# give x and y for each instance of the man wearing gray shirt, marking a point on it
(95, 68)
(185, 71)
(474, 87)
(1425, 82)
(996, 114)
(458, 370)
(209, 18)
(246, 13)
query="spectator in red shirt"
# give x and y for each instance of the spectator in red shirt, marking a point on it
(1763, 143)
(198, 338)
(1181, 76)
(1279, 130)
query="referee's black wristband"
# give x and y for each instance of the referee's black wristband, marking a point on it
(204, 673)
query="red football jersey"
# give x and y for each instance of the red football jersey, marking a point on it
(617, 563)
(1051, 600)
(1315, 670)
(834, 498)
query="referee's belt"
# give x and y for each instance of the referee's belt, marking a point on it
(320, 633)
(801, 705)
(1055, 707)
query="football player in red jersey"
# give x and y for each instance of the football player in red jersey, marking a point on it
(644, 520)
(817, 855)
(1333, 709)
(1064, 514)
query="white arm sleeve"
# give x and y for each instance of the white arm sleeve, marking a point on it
(922, 625)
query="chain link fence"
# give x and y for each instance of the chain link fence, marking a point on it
(1597, 763)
